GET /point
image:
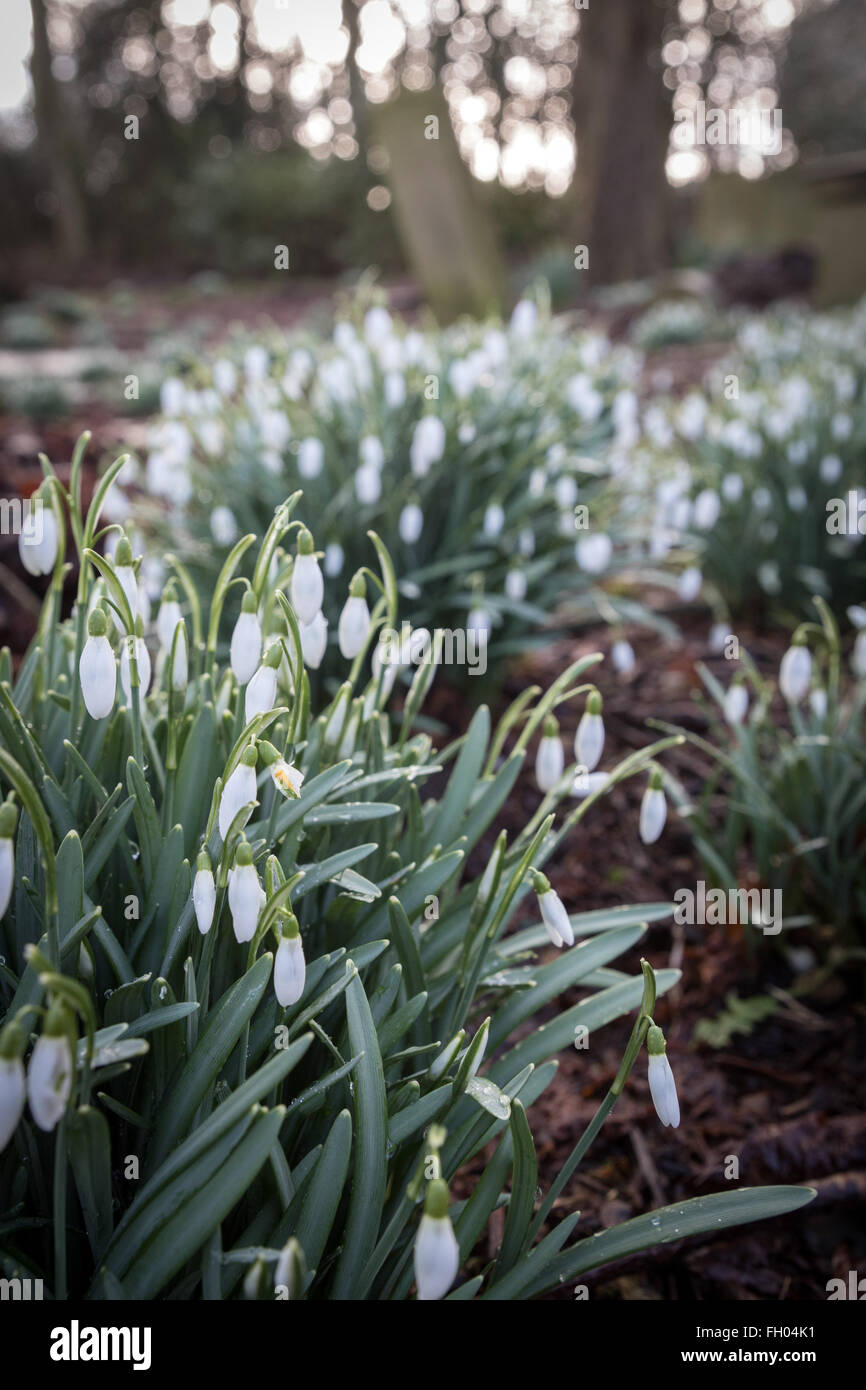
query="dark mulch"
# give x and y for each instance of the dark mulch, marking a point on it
(786, 1100)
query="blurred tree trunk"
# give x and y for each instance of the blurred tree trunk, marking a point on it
(621, 204)
(57, 149)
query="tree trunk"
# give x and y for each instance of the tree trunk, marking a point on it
(70, 219)
(621, 203)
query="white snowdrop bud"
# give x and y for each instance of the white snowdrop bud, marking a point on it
(524, 318)
(125, 572)
(795, 672)
(179, 669)
(622, 656)
(663, 1088)
(716, 639)
(653, 810)
(246, 896)
(290, 968)
(371, 452)
(337, 717)
(818, 702)
(37, 543)
(204, 893)
(311, 457)
(13, 1082)
(586, 783)
(736, 703)
(707, 508)
(168, 617)
(593, 553)
(436, 1253)
(515, 585)
(565, 492)
(50, 1073)
(334, 559)
(494, 520)
(142, 661)
(223, 526)
(428, 444)
(308, 586)
(239, 790)
(377, 325)
(314, 641)
(354, 625)
(553, 913)
(858, 655)
(478, 620)
(689, 584)
(246, 645)
(411, 523)
(550, 758)
(589, 739)
(8, 822)
(225, 377)
(368, 484)
(97, 669)
(261, 693)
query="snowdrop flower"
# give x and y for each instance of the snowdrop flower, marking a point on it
(314, 641)
(537, 482)
(526, 542)
(552, 909)
(707, 508)
(256, 363)
(287, 779)
(662, 1086)
(411, 523)
(550, 758)
(797, 499)
(689, 584)
(622, 656)
(395, 390)
(225, 377)
(125, 572)
(38, 541)
(311, 457)
(172, 396)
(334, 559)
(368, 484)
(246, 644)
(736, 703)
(168, 617)
(718, 636)
(732, 487)
(565, 491)
(378, 325)
(830, 469)
(308, 586)
(371, 452)
(494, 520)
(593, 553)
(523, 319)
(204, 893)
(589, 739)
(239, 790)
(142, 661)
(795, 672)
(436, 1253)
(49, 1075)
(179, 660)
(653, 810)
(858, 655)
(515, 585)
(478, 620)
(223, 526)
(97, 669)
(818, 702)
(13, 1083)
(428, 444)
(587, 783)
(354, 625)
(856, 614)
(290, 968)
(8, 822)
(261, 693)
(246, 896)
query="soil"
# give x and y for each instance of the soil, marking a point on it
(785, 1100)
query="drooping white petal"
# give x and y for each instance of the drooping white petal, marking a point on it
(555, 919)
(142, 658)
(653, 814)
(261, 693)
(589, 741)
(314, 641)
(287, 779)
(98, 673)
(7, 872)
(549, 762)
(204, 899)
(239, 790)
(13, 1091)
(353, 627)
(246, 899)
(49, 1080)
(307, 588)
(736, 703)
(795, 673)
(37, 543)
(663, 1090)
(246, 647)
(436, 1257)
(290, 971)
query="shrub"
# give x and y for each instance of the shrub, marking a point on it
(262, 976)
